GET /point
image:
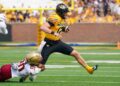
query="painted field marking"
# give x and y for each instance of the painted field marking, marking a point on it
(98, 53)
(84, 53)
(62, 66)
(104, 61)
(81, 75)
(101, 53)
(78, 70)
(81, 82)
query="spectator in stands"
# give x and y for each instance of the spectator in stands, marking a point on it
(100, 8)
(79, 7)
(67, 2)
(11, 16)
(19, 16)
(26, 15)
(33, 18)
(106, 7)
(115, 9)
(110, 17)
(83, 7)
(89, 12)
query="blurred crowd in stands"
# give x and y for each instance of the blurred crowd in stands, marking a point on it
(92, 11)
(27, 16)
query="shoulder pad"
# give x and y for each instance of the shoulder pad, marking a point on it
(54, 18)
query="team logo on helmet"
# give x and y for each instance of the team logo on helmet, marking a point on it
(61, 10)
(62, 6)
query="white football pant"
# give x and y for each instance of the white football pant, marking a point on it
(42, 44)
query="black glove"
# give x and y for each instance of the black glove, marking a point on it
(66, 29)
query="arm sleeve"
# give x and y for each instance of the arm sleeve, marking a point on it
(53, 19)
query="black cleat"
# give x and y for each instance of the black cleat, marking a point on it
(95, 67)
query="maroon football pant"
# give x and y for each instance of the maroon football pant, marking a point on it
(5, 72)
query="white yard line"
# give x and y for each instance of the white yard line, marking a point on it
(82, 82)
(104, 61)
(78, 70)
(76, 66)
(98, 53)
(101, 53)
(62, 66)
(83, 53)
(84, 75)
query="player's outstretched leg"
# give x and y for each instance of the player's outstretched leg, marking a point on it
(81, 61)
(90, 70)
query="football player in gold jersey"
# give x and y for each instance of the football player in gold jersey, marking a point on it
(55, 25)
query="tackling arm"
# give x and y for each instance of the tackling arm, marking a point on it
(45, 28)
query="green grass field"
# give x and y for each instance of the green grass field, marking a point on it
(63, 70)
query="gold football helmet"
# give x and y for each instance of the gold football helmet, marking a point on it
(33, 58)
